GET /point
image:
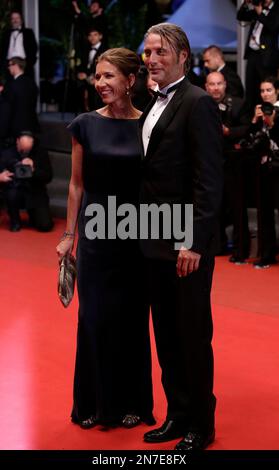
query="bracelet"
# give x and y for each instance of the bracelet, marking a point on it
(67, 235)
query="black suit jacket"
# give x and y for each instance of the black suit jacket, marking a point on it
(269, 36)
(22, 94)
(183, 165)
(29, 44)
(83, 67)
(234, 85)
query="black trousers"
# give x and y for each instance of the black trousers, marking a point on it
(242, 170)
(40, 217)
(182, 320)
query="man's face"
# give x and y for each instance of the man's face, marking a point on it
(94, 37)
(162, 62)
(266, 3)
(16, 21)
(216, 86)
(24, 143)
(94, 7)
(210, 61)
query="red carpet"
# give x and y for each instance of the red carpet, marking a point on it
(37, 351)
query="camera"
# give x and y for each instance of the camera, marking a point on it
(22, 171)
(268, 108)
(257, 3)
(257, 144)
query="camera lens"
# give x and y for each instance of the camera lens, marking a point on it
(267, 108)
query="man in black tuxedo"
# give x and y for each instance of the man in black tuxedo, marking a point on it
(261, 49)
(182, 164)
(214, 61)
(89, 98)
(19, 41)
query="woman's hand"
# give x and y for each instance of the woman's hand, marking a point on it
(64, 247)
(258, 114)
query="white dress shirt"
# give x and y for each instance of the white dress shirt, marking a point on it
(92, 54)
(155, 113)
(255, 39)
(16, 48)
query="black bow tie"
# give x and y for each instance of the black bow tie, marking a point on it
(16, 29)
(93, 48)
(159, 94)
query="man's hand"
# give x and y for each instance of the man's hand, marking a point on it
(76, 7)
(187, 262)
(6, 176)
(28, 161)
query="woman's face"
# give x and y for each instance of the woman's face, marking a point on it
(268, 92)
(110, 83)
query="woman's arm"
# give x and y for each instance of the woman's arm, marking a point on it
(74, 200)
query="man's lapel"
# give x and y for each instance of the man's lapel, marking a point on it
(165, 117)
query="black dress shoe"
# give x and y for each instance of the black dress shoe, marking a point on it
(195, 441)
(167, 432)
(85, 423)
(263, 263)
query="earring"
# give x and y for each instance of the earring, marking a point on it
(127, 91)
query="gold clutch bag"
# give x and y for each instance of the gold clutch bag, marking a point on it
(66, 279)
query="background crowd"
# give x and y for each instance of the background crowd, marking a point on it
(250, 131)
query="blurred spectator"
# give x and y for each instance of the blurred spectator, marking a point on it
(88, 97)
(235, 124)
(262, 44)
(261, 141)
(21, 93)
(214, 61)
(18, 41)
(25, 170)
(94, 18)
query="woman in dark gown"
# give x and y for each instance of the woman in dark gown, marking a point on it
(112, 383)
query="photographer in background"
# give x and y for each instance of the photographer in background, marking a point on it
(262, 44)
(25, 170)
(261, 143)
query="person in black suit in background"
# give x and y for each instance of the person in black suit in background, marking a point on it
(214, 61)
(182, 164)
(261, 49)
(26, 188)
(18, 41)
(89, 98)
(21, 93)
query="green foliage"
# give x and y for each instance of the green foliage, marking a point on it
(127, 24)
